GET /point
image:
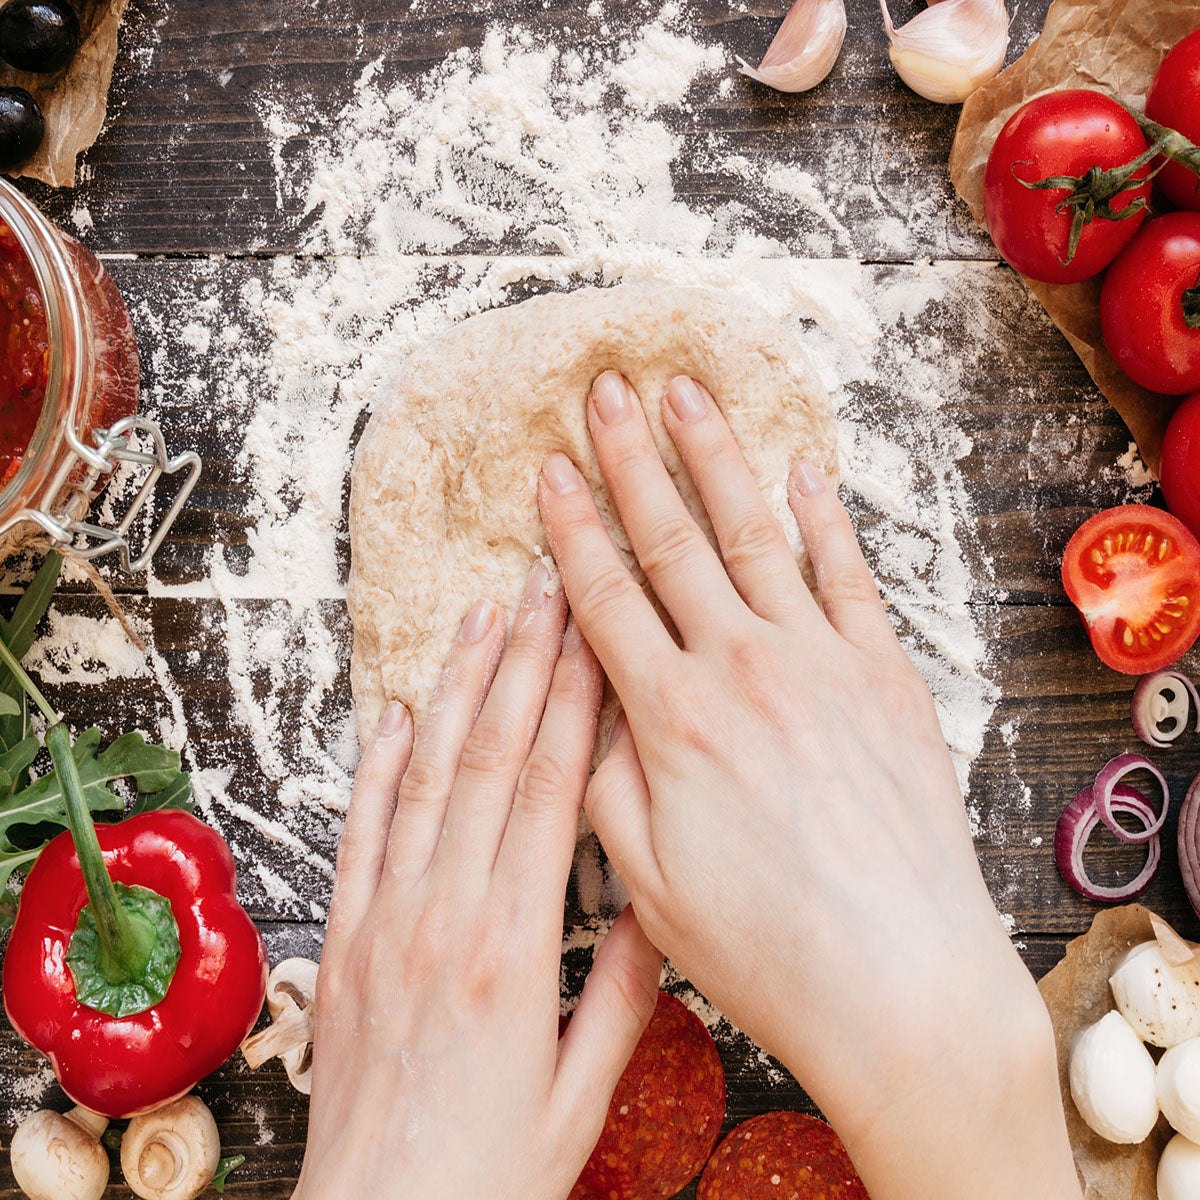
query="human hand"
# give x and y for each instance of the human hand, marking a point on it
(779, 801)
(438, 1071)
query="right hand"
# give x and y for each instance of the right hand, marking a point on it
(781, 806)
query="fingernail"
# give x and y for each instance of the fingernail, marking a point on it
(572, 638)
(686, 399)
(610, 395)
(478, 622)
(394, 718)
(561, 474)
(537, 589)
(615, 731)
(808, 478)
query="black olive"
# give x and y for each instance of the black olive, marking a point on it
(38, 35)
(21, 126)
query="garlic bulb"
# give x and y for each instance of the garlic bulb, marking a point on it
(804, 48)
(947, 51)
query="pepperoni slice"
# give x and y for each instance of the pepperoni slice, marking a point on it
(781, 1156)
(665, 1115)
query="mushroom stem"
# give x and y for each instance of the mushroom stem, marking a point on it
(293, 1028)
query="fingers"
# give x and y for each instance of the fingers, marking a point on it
(679, 562)
(617, 1003)
(364, 841)
(616, 619)
(535, 856)
(848, 592)
(618, 806)
(755, 552)
(496, 748)
(425, 787)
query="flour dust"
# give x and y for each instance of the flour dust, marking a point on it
(407, 195)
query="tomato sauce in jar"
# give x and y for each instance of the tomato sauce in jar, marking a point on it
(25, 368)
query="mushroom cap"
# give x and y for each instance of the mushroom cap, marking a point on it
(1179, 1170)
(171, 1153)
(54, 1158)
(1112, 1081)
(1179, 1088)
(1160, 1001)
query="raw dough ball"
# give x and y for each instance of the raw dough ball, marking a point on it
(443, 508)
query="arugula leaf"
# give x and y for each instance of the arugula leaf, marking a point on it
(225, 1167)
(40, 810)
(18, 634)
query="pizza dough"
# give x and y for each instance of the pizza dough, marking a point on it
(443, 507)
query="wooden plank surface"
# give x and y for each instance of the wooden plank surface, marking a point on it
(183, 187)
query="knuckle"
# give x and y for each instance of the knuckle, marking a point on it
(424, 783)
(633, 992)
(849, 586)
(757, 537)
(546, 782)
(676, 541)
(489, 750)
(606, 592)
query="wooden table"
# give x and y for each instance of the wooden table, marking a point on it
(182, 185)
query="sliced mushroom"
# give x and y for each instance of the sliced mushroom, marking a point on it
(171, 1153)
(291, 1001)
(58, 1156)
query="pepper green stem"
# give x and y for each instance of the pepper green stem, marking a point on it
(124, 947)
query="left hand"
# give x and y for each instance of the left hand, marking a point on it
(438, 1071)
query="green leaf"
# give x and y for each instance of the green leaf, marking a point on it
(39, 809)
(10, 706)
(224, 1168)
(18, 634)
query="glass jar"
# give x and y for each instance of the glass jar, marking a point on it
(88, 416)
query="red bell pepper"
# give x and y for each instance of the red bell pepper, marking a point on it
(134, 989)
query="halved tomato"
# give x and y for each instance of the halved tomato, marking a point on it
(1134, 574)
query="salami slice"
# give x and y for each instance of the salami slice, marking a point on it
(666, 1113)
(781, 1156)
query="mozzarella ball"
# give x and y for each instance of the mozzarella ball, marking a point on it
(1179, 1088)
(1179, 1170)
(1112, 1081)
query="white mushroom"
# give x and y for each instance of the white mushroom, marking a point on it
(1160, 1001)
(171, 1153)
(1112, 1081)
(1179, 1088)
(58, 1156)
(1179, 1170)
(291, 1001)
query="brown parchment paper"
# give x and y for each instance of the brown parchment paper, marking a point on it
(73, 100)
(1077, 994)
(1110, 45)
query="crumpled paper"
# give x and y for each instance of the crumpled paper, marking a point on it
(1077, 994)
(75, 99)
(1113, 46)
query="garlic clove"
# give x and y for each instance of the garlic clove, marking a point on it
(804, 48)
(950, 49)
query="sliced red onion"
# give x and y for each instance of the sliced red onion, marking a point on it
(1189, 843)
(1115, 770)
(1077, 823)
(1164, 696)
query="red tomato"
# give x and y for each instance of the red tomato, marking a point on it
(1174, 100)
(1180, 470)
(1150, 305)
(1134, 574)
(1060, 134)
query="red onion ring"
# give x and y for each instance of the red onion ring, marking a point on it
(1150, 707)
(1189, 843)
(1115, 770)
(1076, 825)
